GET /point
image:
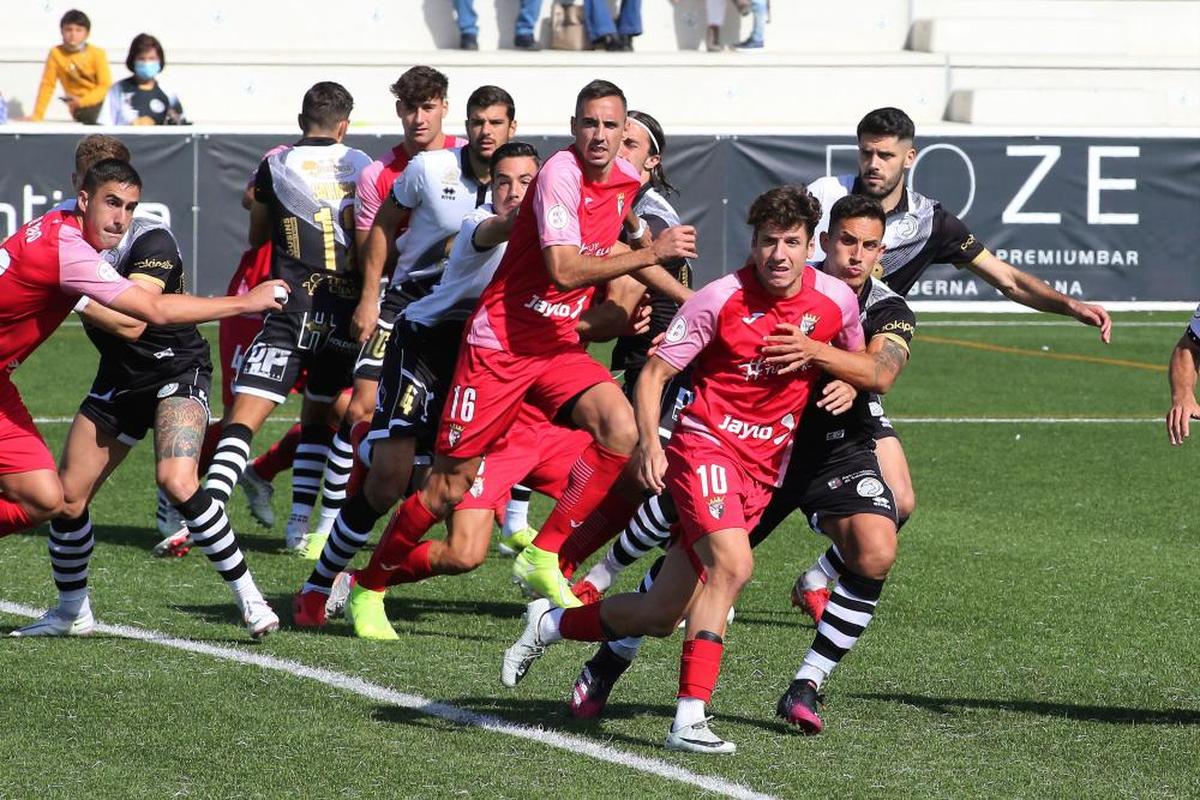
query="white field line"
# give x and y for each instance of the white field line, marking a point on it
(1011, 323)
(460, 716)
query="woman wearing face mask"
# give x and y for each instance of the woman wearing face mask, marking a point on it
(140, 99)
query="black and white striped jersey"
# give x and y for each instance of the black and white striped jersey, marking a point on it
(919, 232)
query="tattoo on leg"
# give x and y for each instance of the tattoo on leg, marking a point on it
(179, 428)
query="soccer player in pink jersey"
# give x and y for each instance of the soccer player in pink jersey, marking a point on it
(522, 344)
(44, 268)
(729, 450)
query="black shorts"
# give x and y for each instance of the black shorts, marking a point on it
(369, 364)
(879, 426)
(127, 415)
(848, 484)
(416, 372)
(316, 340)
(675, 398)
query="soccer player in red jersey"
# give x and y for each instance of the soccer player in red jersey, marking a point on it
(522, 344)
(44, 268)
(729, 450)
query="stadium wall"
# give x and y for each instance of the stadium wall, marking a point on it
(1108, 217)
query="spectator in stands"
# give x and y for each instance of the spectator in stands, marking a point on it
(762, 15)
(716, 17)
(468, 24)
(81, 68)
(140, 99)
(607, 35)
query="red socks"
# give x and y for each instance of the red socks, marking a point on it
(699, 666)
(279, 456)
(582, 624)
(212, 437)
(414, 565)
(411, 521)
(613, 513)
(13, 517)
(590, 481)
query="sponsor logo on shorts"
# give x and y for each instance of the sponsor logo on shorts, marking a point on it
(716, 506)
(881, 502)
(477, 487)
(167, 390)
(161, 354)
(869, 487)
(557, 216)
(835, 483)
(833, 436)
(265, 361)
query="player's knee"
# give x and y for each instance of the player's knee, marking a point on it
(906, 502)
(874, 560)
(177, 485)
(618, 432)
(731, 577)
(459, 561)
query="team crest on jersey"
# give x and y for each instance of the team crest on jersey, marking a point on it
(808, 323)
(454, 434)
(677, 331)
(556, 216)
(716, 506)
(106, 273)
(906, 228)
(620, 204)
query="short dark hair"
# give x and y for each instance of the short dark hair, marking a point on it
(144, 41)
(420, 83)
(595, 90)
(658, 146)
(785, 207)
(75, 17)
(888, 121)
(514, 150)
(325, 105)
(856, 206)
(110, 170)
(96, 148)
(488, 96)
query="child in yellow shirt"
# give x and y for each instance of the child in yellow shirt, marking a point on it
(80, 67)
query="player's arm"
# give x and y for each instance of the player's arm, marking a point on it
(261, 193)
(872, 370)
(114, 322)
(374, 248)
(1184, 368)
(1023, 288)
(621, 313)
(571, 269)
(494, 230)
(647, 400)
(184, 309)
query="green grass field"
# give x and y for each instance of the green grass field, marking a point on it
(1038, 636)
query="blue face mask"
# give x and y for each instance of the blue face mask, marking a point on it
(146, 70)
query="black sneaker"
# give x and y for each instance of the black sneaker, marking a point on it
(595, 683)
(524, 42)
(468, 41)
(799, 706)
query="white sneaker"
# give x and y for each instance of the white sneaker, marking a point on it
(295, 535)
(176, 545)
(527, 649)
(335, 606)
(698, 738)
(260, 493)
(166, 518)
(259, 618)
(56, 623)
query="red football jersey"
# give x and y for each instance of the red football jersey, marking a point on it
(44, 267)
(740, 401)
(521, 311)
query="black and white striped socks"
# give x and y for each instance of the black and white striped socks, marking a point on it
(228, 461)
(211, 532)
(649, 528)
(71, 544)
(338, 465)
(307, 469)
(349, 535)
(851, 607)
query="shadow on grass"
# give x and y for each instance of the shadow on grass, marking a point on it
(1114, 715)
(413, 609)
(146, 538)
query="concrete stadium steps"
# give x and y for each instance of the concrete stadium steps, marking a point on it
(315, 26)
(687, 90)
(1037, 27)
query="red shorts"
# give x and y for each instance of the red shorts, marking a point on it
(536, 453)
(22, 448)
(489, 386)
(711, 490)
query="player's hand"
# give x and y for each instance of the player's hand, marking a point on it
(652, 350)
(639, 320)
(362, 324)
(1097, 317)
(788, 349)
(675, 242)
(651, 466)
(1179, 420)
(837, 397)
(262, 297)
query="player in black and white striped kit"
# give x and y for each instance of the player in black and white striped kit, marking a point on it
(149, 377)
